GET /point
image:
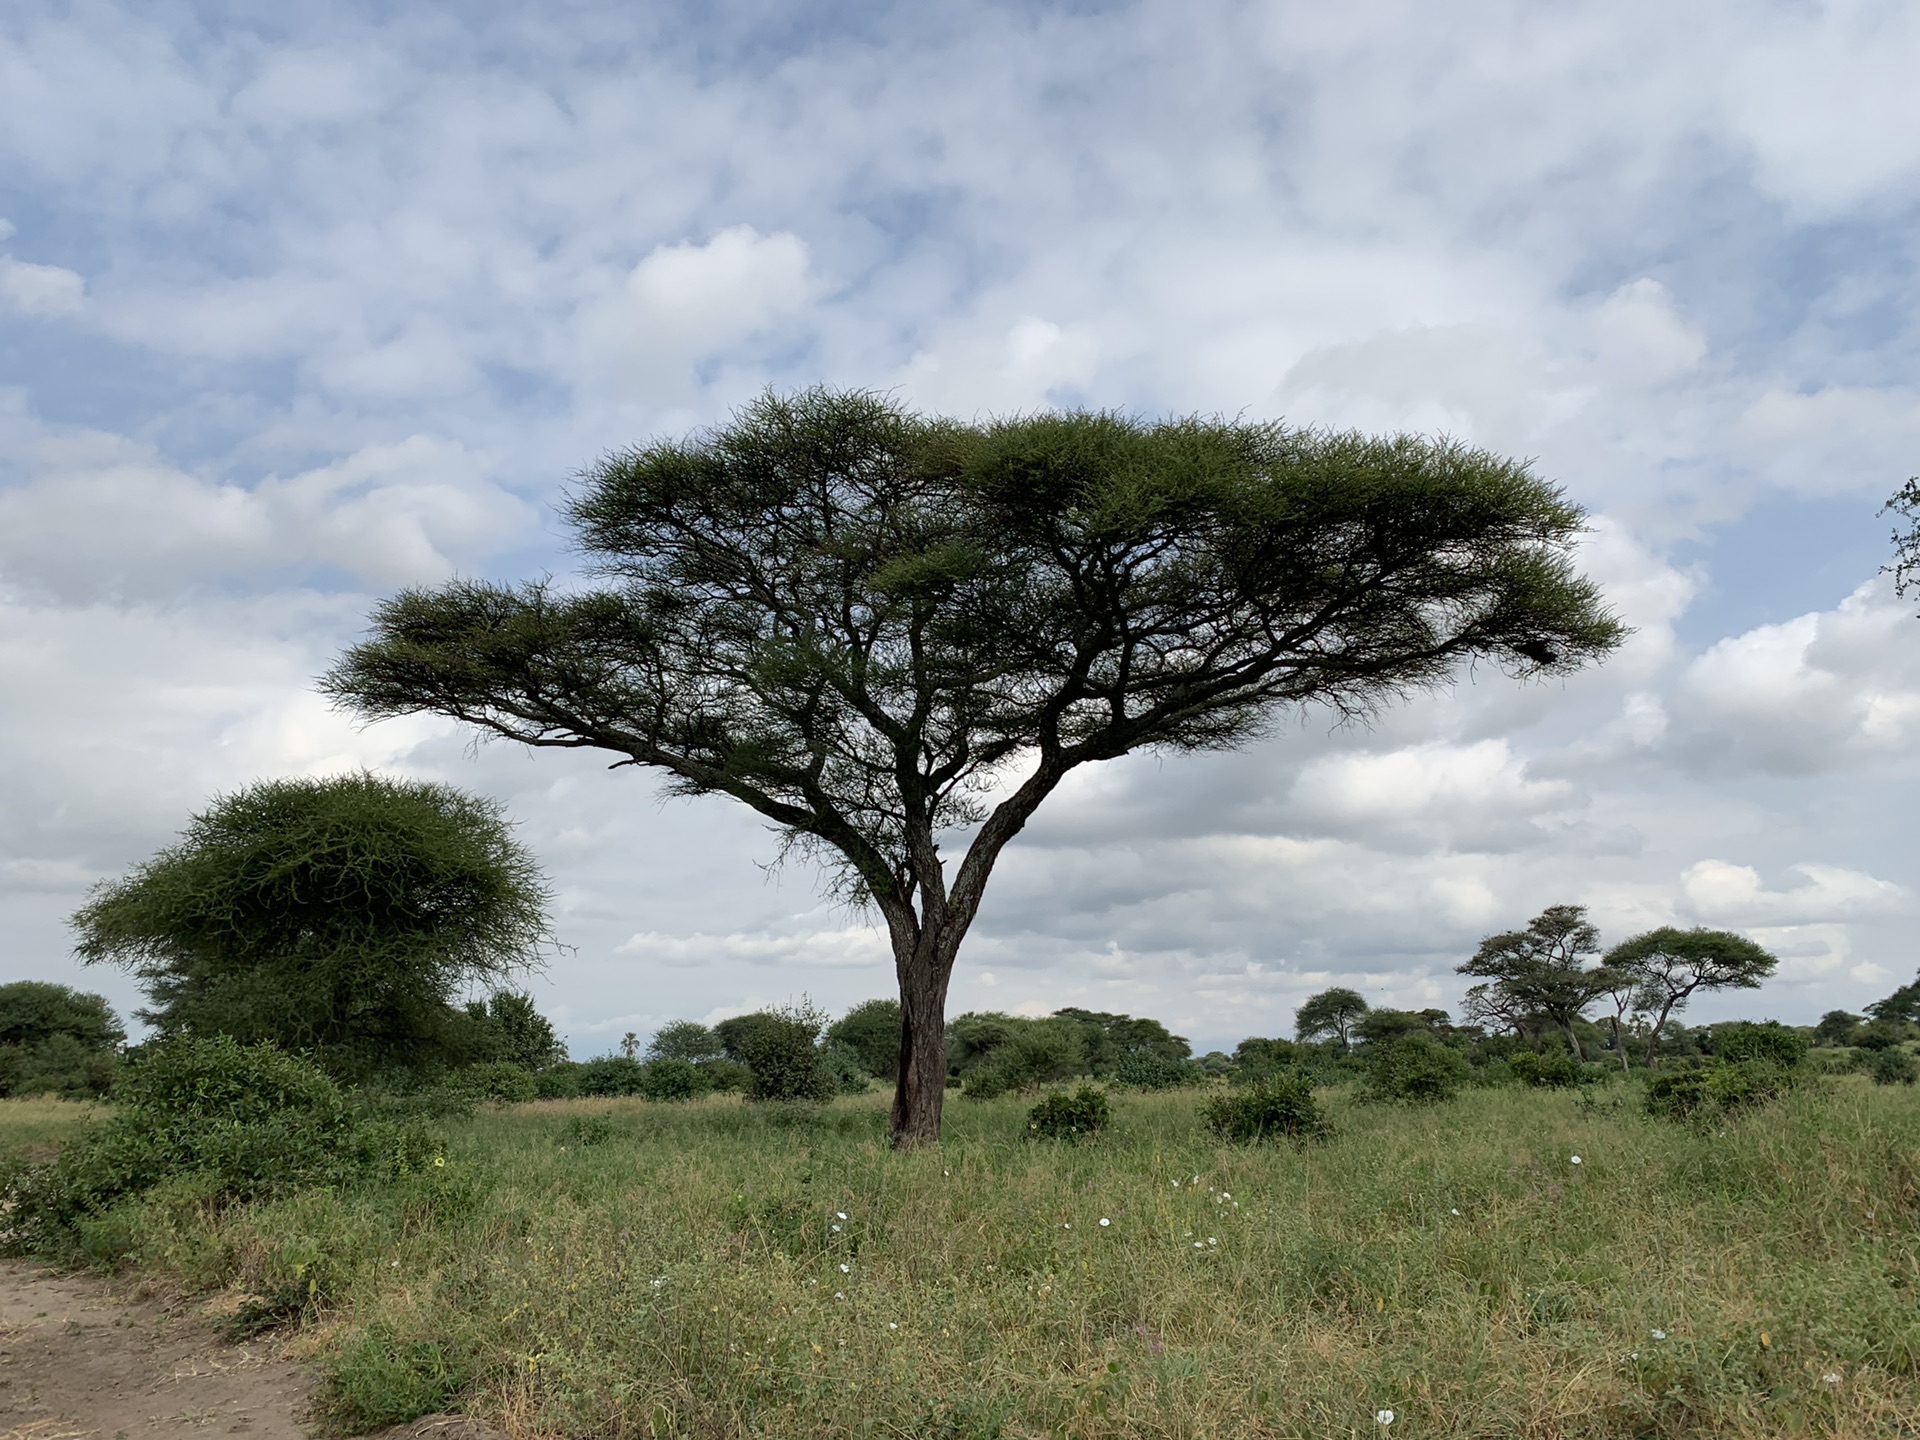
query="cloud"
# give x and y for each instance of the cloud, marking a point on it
(1726, 894)
(41, 289)
(832, 949)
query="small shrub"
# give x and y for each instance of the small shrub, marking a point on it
(239, 1121)
(1893, 1067)
(1034, 1053)
(846, 1069)
(1722, 1089)
(1070, 1117)
(1279, 1107)
(558, 1082)
(726, 1077)
(499, 1081)
(587, 1130)
(1415, 1070)
(611, 1075)
(1151, 1070)
(1556, 1071)
(782, 1054)
(672, 1079)
(1877, 1036)
(1771, 1044)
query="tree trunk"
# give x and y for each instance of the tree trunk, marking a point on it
(1574, 1041)
(1653, 1035)
(921, 1090)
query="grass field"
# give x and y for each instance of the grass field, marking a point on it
(714, 1269)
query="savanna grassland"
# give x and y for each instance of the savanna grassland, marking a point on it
(714, 1268)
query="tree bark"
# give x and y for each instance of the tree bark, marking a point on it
(1574, 1041)
(921, 1091)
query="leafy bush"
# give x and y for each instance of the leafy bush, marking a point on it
(1070, 1117)
(1877, 1036)
(1556, 1071)
(1279, 1107)
(558, 1082)
(1893, 1067)
(846, 1069)
(59, 1065)
(672, 1079)
(1034, 1053)
(782, 1054)
(872, 1030)
(1769, 1044)
(684, 1040)
(727, 1077)
(55, 1040)
(1415, 1069)
(1722, 1089)
(244, 1120)
(610, 1075)
(1150, 1070)
(496, 1080)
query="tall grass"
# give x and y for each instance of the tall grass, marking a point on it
(624, 1269)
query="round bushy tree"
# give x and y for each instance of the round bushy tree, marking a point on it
(337, 917)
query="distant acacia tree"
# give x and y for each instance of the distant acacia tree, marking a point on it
(1672, 965)
(1902, 1005)
(340, 917)
(1330, 1013)
(1540, 971)
(887, 633)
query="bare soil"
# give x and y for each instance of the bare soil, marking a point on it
(79, 1359)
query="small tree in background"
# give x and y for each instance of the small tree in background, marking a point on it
(1331, 1013)
(1672, 966)
(781, 1050)
(1902, 1007)
(1836, 1027)
(1542, 969)
(686, 1040)
(54, 1039)
(338, 917)
(511, 1030)
(871, 1030)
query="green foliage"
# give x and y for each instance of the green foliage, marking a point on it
(1554, 1070)
(1108, 1041)
(337, 917)
(849, 616)
(587, 1130)
(1878, 1036)
(610, 1075)
(508, 1028)
(1255, 1058)
(1330, 1014)
(1836, 1027)
(1078, 1116)
(1669, 966)
(1280, 1107)
(1770, 1043)
(1416, 1069)
(687, 1040)
(558, 1082)
(1034, 1053)
(781, 1050)
(1892, 1067)
(671, 1078)
(1901, 1007)
(844, 1067)
(1717, 1091)
(241, 1121)
(497, 1081)
(55, 1040)
(1150, 1070)
(871, 1030)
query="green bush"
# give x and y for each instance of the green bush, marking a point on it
(558, 1082)
(726, 1077)
(1556, 1071)
(1877, 1036)
(59, 1065)
(1893, 1067)
(1415, 1069)
(497, 1080)
(782, 1054)
(1070, 1117)
(846, 1069)
(872, 1030)
(672, 1079)
(1280, 1107)
(1722, 1089)
(1151, 1070)
(1034, 1053)
(1770, 1044)
(243, 1120)
(611, 1075)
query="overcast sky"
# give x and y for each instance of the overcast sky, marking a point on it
(301, 304)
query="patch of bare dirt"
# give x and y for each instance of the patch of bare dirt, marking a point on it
(78, 1361)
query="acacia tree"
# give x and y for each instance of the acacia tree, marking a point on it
(339, 916)
(1331, 1012)
(1672, 965)
(887, 633)
(1540, 971)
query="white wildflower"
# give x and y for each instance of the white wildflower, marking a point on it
(1383, 1417)
(1104, 1222)
(1659, 1334)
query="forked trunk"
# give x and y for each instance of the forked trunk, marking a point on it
(1574, 1041)
(921, 1090)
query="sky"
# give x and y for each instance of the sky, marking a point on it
(300, 305)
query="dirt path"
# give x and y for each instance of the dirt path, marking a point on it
(78, 1361)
